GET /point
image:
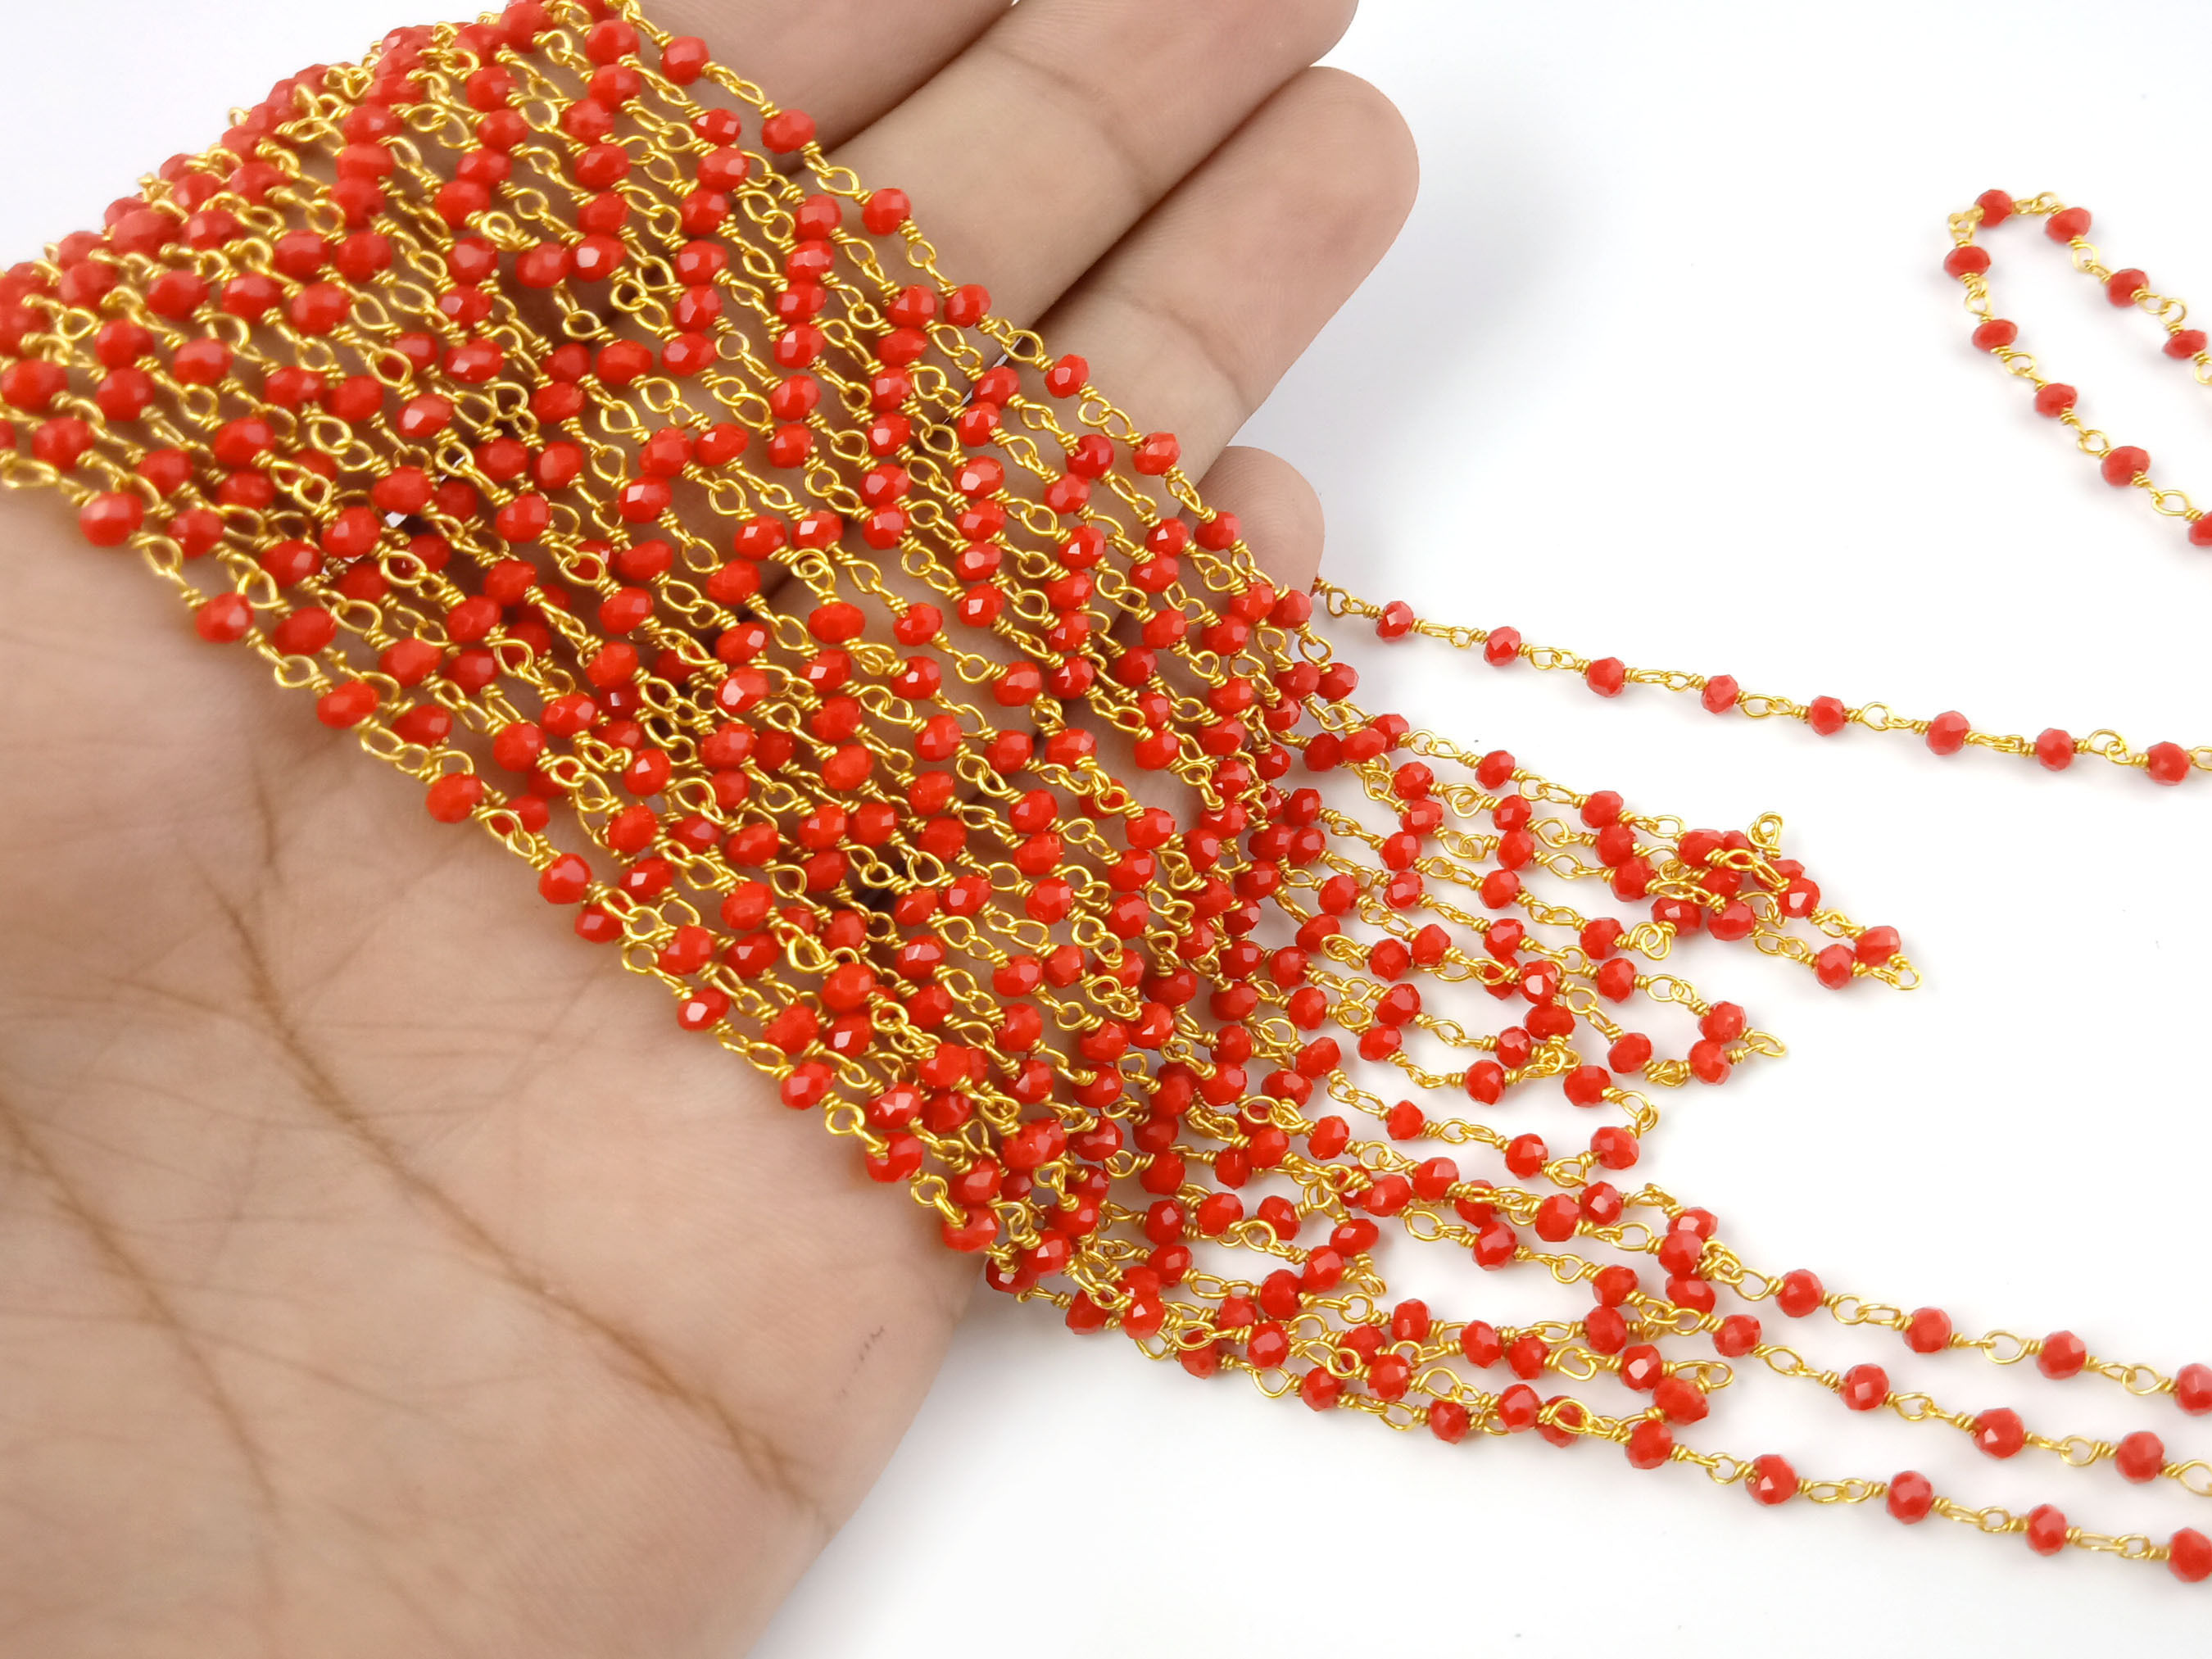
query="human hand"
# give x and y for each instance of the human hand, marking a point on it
(383, 1271)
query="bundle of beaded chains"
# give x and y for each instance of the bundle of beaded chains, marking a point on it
(537, 398)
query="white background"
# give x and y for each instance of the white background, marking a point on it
(1663, 367)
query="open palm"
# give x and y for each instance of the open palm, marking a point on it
(380, 1271)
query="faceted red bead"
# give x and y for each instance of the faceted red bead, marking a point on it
(1586, 1085)
(1642, 1367)
(454, 796)
(1615, 1147)
(1518, 1407)
(1911, 1498)
(1834, 966)
(2124, 465)
(1568, 1418)
(1720, 694)
(2192, 1390)
(1800, 1292)
(347, 705)
(1947, 732)
(112, 518)
(1679, 1399)
(223, 619)
(1927, 1330)
(2046, 1530)
(1737, 1335)
(1448, 1420)
(2122, 286)
(1320, 1389)
(1526, 1355)
(565, 881)
(1650, 1444)
(1995, 334)
(2189, 1556)
(2055, 749)
(1478, 1341)
(1967, 261)
(1606, 676)
(2140, 1456)
(2055, 399)
(1156, 453)
(1771, 1481)
(2167, 762)
(787, 131)
(2062, 1354)
(1865, 1388)
(1997, 207)
(2067, 225)
(1998, 1432)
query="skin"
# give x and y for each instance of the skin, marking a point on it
(381, 1271)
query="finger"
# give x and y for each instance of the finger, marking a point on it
(1192, 320)
(1279, 512)
(844, 62)
(1058, 128)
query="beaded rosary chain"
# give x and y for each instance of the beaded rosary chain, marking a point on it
(537, 398)
(1949, 732)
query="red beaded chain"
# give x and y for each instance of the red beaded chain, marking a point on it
(1950, 732)
(540, 398)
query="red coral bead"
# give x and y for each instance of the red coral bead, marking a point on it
(2067, 225)
(2189, 1556)
(2055, 399)
(2055, 749)
(1834, 966)
(1828, 715)
(1927, 1330)
(347, 705)
(1800, 1292)
(2062, 1354)
(2122, 287)
(683, 59)
(2124, 465)
(565, 881)
(1650, 1443)
(1947, 732)
(787, 131)
(2140, 1456)
(1772, 1480)
(1865, 1388)
(223, 619)
(2192, 1390)
(112, 518)
(1911, 1498)
(454, 796)
(2046, 1530)
(1999, 1432)
(2167, 762)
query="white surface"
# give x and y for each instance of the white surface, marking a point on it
(1664, 366)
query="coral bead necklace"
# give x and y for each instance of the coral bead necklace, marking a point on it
(537, 398)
